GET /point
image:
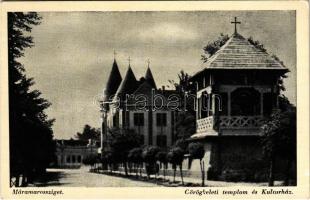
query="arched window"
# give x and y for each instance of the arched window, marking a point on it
(245, 102)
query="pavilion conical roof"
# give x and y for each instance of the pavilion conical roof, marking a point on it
(128, 85)
(114, 80)
(149, 77)
(239, 53)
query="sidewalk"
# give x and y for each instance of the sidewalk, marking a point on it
(188, 181)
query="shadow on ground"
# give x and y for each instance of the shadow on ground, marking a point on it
(49, 179)
(158, 180)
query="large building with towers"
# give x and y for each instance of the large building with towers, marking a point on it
(138, 105)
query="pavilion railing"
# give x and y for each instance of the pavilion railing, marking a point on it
(205, 124)
(230, 122)
(240, 122)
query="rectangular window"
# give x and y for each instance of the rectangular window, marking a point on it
(73, 158)
(138, 119)
(68, 160)
(79, 159)
(161, 119)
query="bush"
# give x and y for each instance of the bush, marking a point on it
(196, 150)
(90, 160)
(149, 154)
(149, 157)
(175, 157)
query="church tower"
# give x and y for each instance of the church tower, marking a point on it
(149, 76)
(112, 84)
(236, 90)
(114, 80)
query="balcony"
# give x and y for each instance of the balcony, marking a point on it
(230, 125)
(205, 124)
(240, 122)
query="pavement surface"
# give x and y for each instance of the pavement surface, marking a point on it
(83, 178)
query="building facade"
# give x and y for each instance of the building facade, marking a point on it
(70, 153)
(138, 105)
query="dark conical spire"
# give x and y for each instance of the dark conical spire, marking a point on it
(149, 77)
(128, 85)
(113, 82)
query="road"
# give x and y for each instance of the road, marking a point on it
(82, 177)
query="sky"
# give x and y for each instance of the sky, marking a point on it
(73, 52)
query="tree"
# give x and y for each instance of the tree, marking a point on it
(149, 157)
(120, 142)
(197, 151)
(135, 156)
(107, 158)
(176, 156)
(279, 133)
(185, 125)
(213, 47)
(161, 156)
(31, 136)
(89, 133)
(90, 160)
(184, 84)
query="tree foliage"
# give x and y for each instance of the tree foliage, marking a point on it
(185, 125)
(279, 139)
(196, 150)
(121, 141)
(176, 156)
(31, 145)
(88, 133)
(214, 46)
(184, 84)
(149, 154)
(135, 155)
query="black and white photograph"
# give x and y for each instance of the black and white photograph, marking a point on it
(152, 99)
(197, 99)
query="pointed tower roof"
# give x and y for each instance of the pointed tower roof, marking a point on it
(149, 77)
(128, 85)
(114, 80)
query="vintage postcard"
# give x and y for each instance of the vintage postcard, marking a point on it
(155, 100)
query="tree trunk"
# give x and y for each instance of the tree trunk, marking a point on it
(140, 169)
(174, 169)
(125, 168)
(24, 180)
(287, 171)
(202, 168)
(271, 171)
(17, 180)
(164, 171)
(181, 171)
